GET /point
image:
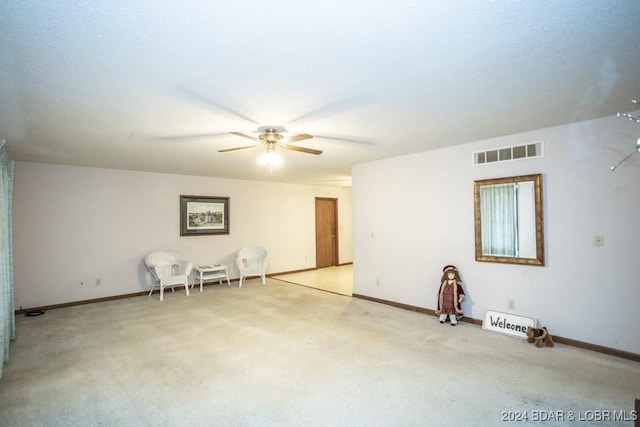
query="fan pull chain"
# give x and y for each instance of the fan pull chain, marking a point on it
(633, 119)
(623, 160)
(629, 116)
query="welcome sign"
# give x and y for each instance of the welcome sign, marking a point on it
(509, 324)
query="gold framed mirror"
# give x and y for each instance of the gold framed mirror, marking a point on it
(508, 220)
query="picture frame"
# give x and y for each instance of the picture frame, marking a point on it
(204, 215)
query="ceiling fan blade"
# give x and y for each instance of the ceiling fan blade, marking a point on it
(246, 135)
(237, 148)
(332, 108)
(302, 149)
(346, 139)
(191, 136)
(299, 137)
(211, 103)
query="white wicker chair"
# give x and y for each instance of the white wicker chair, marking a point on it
(252, 261)
(168, 268)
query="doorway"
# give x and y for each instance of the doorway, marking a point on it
(326, 232)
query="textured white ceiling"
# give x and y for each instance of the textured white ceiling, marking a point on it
(158, 86)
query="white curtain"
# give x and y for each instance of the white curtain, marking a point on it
(499, 219)
(7, 312)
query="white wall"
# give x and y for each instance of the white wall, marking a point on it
(414, 214)
(73, 225)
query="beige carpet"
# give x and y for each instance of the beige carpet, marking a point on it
(289, 355)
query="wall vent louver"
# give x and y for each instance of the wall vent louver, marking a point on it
(505, 154)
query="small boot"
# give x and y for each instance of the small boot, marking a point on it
(548, 339)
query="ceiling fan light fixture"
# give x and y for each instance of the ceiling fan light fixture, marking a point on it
(270, 158)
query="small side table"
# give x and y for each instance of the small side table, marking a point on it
(210, 272)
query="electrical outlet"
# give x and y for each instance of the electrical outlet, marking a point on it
(511, 304)
(598, 240)
(98, 282)
(377, 282)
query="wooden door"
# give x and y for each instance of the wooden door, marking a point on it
(326, 232)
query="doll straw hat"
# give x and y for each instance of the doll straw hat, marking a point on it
(449, 268)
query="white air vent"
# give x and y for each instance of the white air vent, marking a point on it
(505, 154)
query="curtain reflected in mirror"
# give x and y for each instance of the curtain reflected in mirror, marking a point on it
(499, 220)
(508, 220)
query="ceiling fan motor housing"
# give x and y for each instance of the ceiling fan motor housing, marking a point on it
(270, 136)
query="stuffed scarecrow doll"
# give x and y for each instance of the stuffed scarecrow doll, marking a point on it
(450, 296)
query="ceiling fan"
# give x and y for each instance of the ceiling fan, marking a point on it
(272, 138)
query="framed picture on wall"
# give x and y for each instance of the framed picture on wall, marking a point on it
(204, 215)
